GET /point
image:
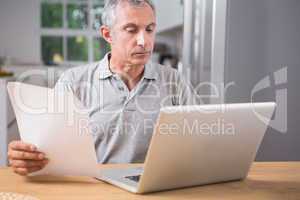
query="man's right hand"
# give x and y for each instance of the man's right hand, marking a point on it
(24, 158)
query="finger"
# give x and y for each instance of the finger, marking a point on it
(21, 171)
(19, 145)
(34, 169)
(22, 155)
(25, 171)
(27, 163)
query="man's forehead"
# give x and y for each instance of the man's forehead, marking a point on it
(133, 24)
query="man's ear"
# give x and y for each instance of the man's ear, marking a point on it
(106, 34)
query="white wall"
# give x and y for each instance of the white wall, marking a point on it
(19, 34)
(169, 14)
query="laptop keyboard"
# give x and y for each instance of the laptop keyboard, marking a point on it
(134, 178)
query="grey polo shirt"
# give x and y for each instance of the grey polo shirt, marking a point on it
(122, 121)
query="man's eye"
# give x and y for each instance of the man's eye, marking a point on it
(149, 30)
(130, 30)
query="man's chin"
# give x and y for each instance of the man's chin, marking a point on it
(140, 61)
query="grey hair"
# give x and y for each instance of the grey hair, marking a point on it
(108, 14)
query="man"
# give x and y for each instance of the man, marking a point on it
(123, 92)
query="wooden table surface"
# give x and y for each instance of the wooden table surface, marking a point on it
(266, 180)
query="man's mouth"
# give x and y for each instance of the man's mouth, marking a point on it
(141, 53)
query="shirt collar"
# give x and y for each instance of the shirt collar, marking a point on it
(103, 68)
(150, 72)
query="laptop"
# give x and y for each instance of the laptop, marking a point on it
(197, 145)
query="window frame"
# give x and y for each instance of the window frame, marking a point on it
(90, 33)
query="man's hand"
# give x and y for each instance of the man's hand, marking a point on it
(24, 158)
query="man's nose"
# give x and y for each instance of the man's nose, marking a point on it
(141, 39)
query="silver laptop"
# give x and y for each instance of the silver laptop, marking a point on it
(197, 145)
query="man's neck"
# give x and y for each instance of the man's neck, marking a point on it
(130, 74)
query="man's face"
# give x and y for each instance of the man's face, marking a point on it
(133, 34)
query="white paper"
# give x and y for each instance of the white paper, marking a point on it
(60, 133)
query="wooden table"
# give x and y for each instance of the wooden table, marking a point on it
(277, 180)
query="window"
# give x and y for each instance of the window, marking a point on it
(70, 31)
(52, 49)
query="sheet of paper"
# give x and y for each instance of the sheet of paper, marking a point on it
(56, 123)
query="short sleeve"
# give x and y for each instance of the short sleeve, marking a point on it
(65, 82)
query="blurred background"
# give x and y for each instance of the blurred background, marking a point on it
(65, 33)
(232, 44)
